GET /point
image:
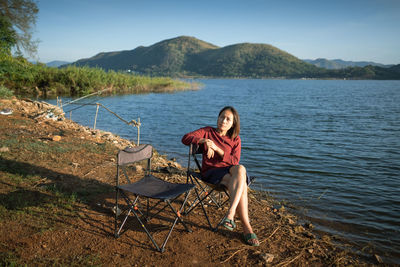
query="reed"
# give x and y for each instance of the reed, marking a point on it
(26, 79)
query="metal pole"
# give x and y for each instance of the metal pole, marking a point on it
(138, 131)
(95, 119)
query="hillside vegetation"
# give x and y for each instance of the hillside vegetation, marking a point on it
(341, 64)
(164, 58)
(187, 56)
(248, 60)
(27, 79)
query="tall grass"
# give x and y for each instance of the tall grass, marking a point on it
(27, 79)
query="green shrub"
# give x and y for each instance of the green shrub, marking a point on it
(5, 92)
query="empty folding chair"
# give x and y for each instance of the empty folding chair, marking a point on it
(206, 194)
(148, 187)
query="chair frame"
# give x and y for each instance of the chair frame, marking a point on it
(132, 188)
(204, 190)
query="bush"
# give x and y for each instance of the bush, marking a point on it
(5, 92)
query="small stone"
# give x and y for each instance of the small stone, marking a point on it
(56, 138)
(326, 238)
(310, 250)
(4, 149)
(378, 258)
(267, 257)
(138, 168)
(309, 226)
(309, 235)
(299, 229)
(290, 221)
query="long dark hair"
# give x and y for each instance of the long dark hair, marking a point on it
(234, 131)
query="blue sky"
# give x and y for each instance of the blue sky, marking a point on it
(356, 30)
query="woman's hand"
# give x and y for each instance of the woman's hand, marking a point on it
(210, 153)
(212, 148)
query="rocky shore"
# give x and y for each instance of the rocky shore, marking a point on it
(57, 199)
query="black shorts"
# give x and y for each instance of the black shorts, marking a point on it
(214, 176)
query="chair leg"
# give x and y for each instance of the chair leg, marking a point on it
(135, 210)
(116, 213)
(200, 199)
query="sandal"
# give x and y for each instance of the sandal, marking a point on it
(251, 239)
(229, 224)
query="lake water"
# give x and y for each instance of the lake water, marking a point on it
(329, 148)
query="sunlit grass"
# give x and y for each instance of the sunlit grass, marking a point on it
(22, 78)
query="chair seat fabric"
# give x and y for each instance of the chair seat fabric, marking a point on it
(153, 187)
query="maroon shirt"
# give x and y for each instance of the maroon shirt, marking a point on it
(231, 148)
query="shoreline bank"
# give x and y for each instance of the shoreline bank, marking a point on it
(70, 181)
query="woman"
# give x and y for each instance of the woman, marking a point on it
(220, 165)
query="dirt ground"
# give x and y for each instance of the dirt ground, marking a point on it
(57, 196)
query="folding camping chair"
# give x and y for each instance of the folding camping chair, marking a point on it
(205, 193)
(148, 187)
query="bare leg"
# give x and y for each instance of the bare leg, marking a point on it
(243, 212)
(235, 181)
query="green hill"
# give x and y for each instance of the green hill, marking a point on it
(190, 56)
(163, 58)
(248, 60)
(187, 56)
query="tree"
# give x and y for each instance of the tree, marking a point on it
(21, 15)
(8, 37)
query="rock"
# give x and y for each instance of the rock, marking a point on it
(56, 138)
(299, 229)
(309, 235)
(309, 226)
(4, 149)
(378, 258)
(267, 257)
(138, 168)
(326, 238)
(290, 221)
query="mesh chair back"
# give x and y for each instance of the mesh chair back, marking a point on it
(194, 150)
(134, 154)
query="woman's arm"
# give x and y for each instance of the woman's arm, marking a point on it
(212, 148)
(233, 158)
(199, 137)
(194, 137)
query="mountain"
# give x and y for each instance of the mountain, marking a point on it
(56, 63)
(163, 58)
(341, 64)
(248, 60)
(187, 56)
(190, 56)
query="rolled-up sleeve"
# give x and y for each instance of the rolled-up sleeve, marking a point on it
(193, 137)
